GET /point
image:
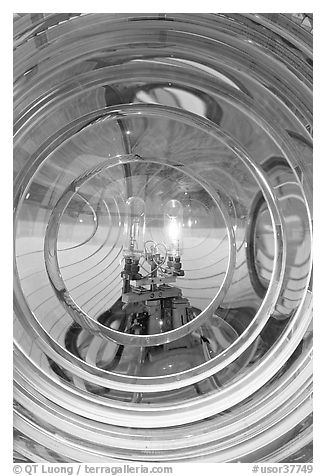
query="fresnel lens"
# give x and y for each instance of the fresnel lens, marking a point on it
(162, 227)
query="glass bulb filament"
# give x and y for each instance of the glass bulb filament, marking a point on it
(173, 219)
(134, 227)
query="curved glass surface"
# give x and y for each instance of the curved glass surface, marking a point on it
(162, 237)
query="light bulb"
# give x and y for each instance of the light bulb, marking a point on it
(134, 228)
(173, 218)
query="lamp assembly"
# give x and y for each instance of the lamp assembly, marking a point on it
(152, 301)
